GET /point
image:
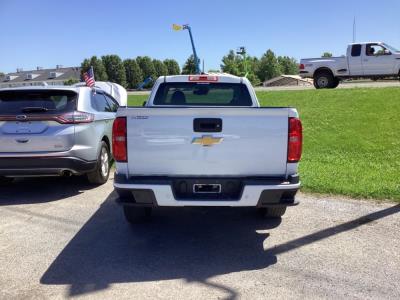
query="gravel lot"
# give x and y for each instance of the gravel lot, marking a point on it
(62, 238)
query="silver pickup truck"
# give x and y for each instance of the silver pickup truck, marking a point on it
(373, 60)
(204, 140)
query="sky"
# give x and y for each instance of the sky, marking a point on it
(46, 33)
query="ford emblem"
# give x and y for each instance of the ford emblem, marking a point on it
(21, 117)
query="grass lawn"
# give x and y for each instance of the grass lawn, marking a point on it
(351, 139)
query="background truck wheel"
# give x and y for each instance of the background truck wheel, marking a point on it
(335, 83)
(5, 180)
(136, 215)
(102, 172)
(324, 80)
(272, 212)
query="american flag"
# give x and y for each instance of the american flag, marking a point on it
(89, 77)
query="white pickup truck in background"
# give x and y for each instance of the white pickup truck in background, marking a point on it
(373, 60)
(204, 140)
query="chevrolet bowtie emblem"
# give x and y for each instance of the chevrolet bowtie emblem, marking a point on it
(207, 140)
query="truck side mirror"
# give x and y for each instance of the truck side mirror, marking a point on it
(144, 103)
(387, 52)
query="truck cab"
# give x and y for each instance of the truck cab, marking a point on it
(371, 59)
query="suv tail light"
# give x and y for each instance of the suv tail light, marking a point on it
(74, 117)
(295, 140)
(119, 140)
(301, 67)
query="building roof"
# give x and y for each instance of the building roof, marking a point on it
(59, 74)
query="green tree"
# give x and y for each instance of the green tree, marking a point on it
(160, 68)
(252, 77)
(133, 73)
(71, 81)
(189, 67)
(172, 66)
(98, 68)
(238, 65)
(115, 69)
(213, 71)
(288, 65)
(326, 54)
(146, 65)
(231, 63)
(250, 66)
(268, 67)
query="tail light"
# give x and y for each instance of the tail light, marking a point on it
(75, 117)
(295, 140)
(301, 67)
(119, 140)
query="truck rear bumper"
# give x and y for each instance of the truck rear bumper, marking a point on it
(162, 191)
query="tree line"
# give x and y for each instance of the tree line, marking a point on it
(131, 72)
(259, 69)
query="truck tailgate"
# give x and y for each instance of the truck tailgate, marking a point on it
(164, 141)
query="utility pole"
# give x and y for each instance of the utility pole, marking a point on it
(354, 30)
(242, 51)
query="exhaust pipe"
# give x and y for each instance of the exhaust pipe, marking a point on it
(66, 173)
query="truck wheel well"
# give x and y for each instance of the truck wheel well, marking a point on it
(323, 69)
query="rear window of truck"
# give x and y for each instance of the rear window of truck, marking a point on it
(203, 94)
(37, 101)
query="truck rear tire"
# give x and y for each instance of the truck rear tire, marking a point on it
(324, 80)
(4, 181)
(137, 215)
(335, 83)
(272, 212)
(102, 172)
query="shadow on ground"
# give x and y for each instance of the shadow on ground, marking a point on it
(190, 244)
(42, 189)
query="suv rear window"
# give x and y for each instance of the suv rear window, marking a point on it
(203, 94)
(37, 101)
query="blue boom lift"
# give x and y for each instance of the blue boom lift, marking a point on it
(196, 58)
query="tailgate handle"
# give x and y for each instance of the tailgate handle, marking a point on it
(207, 125)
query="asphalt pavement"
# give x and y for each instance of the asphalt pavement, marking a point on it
(62, 238)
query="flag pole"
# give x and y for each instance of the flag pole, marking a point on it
(93, 88)
(91, 67)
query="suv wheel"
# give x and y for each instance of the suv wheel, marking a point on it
(136, 215)
(102, 172)
(272, 212)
